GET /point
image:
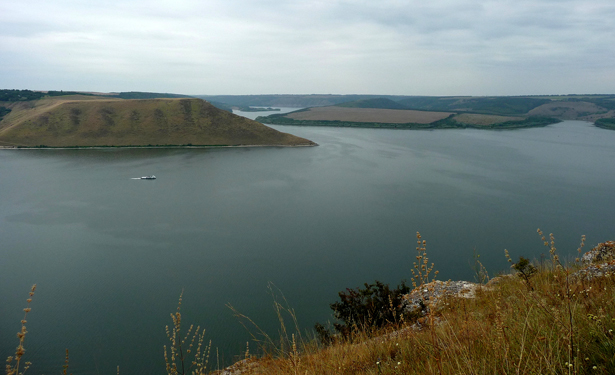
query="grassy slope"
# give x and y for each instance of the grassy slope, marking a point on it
(80, 121)
(382, 103)
(552, 324)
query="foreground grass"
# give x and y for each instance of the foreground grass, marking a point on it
(550, 322)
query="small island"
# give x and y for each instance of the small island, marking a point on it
(257, 109)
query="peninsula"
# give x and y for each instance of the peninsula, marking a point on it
(100, 121)
(443, 112)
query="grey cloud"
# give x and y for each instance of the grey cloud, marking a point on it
(389, 46)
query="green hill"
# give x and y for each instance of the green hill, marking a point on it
(500, 105)
(146, 95)
(88, 122)
(382, 103)
(489, 105)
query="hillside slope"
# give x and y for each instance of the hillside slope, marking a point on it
(75, 122)
(381, 103)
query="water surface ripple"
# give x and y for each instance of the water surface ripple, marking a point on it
(111, 254)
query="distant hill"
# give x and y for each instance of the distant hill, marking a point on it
(147, 95)
(19, 95)
(498, 105)
(25, 95)
(296, 101)
(222, 106)
(382, 103)
(488, 105)
(79, 121)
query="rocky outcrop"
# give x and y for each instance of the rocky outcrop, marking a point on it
(419, 299)
(245, 366)
(603, 252)
(598, 262)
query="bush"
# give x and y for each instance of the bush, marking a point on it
(375, 306)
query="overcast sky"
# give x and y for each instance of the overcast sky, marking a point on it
(426, 47)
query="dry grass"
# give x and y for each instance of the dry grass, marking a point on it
(14, 362)
(505, 330)
(24, 111)
(484, 120)
(187, 352)
(391, 116)
(561, 325)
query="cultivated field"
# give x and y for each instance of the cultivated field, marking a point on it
(392, 116)
(483, 120)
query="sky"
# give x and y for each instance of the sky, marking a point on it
(232, 47)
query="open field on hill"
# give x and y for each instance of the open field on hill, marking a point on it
(386, 113)
(391, 116)
(573, 110)
(401, 119)
(482, 120)
(90, 122)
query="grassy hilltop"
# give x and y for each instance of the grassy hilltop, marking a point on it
(89, 121)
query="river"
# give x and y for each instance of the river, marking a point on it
(111, 255)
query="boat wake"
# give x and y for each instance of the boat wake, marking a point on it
(152, 177)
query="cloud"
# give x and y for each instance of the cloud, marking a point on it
(440, 47)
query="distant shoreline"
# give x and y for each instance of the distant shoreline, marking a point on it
(148, 147)
(445, 123)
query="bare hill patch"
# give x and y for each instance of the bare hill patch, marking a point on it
(392, 116)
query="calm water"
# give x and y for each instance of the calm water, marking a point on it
(111, 255)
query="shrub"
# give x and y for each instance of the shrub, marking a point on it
(375, 306)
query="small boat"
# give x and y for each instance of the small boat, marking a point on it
(152, 177)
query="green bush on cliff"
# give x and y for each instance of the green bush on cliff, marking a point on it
(375, 306)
